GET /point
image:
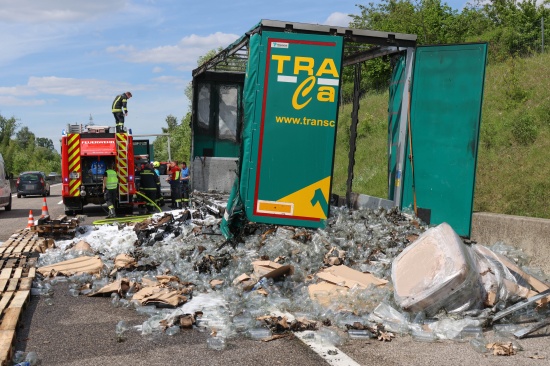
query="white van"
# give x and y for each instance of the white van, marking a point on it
(5, 189)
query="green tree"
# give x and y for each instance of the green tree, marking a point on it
(7, 129)
(432, 21)
(26, 152)
(25, 137)
(45, 142)
(515, 26)
(180, 139)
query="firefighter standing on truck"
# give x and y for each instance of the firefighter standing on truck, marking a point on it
(110, 187)
(119, 110)
(149, 183)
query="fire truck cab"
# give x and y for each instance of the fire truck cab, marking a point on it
(86, 152)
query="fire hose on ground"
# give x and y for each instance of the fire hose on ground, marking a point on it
(138, 218)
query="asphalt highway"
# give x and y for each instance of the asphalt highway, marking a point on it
(81, 331)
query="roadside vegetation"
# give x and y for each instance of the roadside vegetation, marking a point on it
(180, 140)
(512, 172)
(23, 151)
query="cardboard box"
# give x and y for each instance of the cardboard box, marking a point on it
(437, 271)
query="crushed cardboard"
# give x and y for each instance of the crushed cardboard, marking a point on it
(269, 269)
(125, 261)
(120, 287)
(262, 292)
(245, 281)
(215, 282)
(502, 349)
(263, 269)
(349, 277)
(164, 279)
(186, 321)
(149, 282)
(334, 257)
(159, 296)
(336, 282)
(281, 324)
(324, 292)
(44, 244)
(80, 265)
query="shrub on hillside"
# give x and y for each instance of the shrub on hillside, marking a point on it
(524, 129)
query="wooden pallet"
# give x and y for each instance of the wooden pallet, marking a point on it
(60, 227)
(23, 241)
(17, 271)
(23, 262)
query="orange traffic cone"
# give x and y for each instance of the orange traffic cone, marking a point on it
(31, 220)
(45, 208)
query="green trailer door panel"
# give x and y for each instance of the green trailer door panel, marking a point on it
(447, 96)
(293, 128)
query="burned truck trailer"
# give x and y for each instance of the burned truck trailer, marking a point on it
(86, 152)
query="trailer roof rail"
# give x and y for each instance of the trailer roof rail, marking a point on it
(359, 44)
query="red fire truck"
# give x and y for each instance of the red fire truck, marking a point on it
(86, 152)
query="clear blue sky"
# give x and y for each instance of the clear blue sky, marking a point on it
(64, 60)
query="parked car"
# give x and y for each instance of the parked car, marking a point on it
(32, 183)
(5, 189)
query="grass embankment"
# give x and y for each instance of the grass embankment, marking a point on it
(513, 170)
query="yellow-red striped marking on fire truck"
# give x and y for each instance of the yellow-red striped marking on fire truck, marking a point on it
(73, 153)
(122, 162)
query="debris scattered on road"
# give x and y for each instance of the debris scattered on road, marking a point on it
(75, 266)
(502, 349)
(370, 274)
(62, 227)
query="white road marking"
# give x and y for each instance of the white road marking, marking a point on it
(60, 202)
(329, 353)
